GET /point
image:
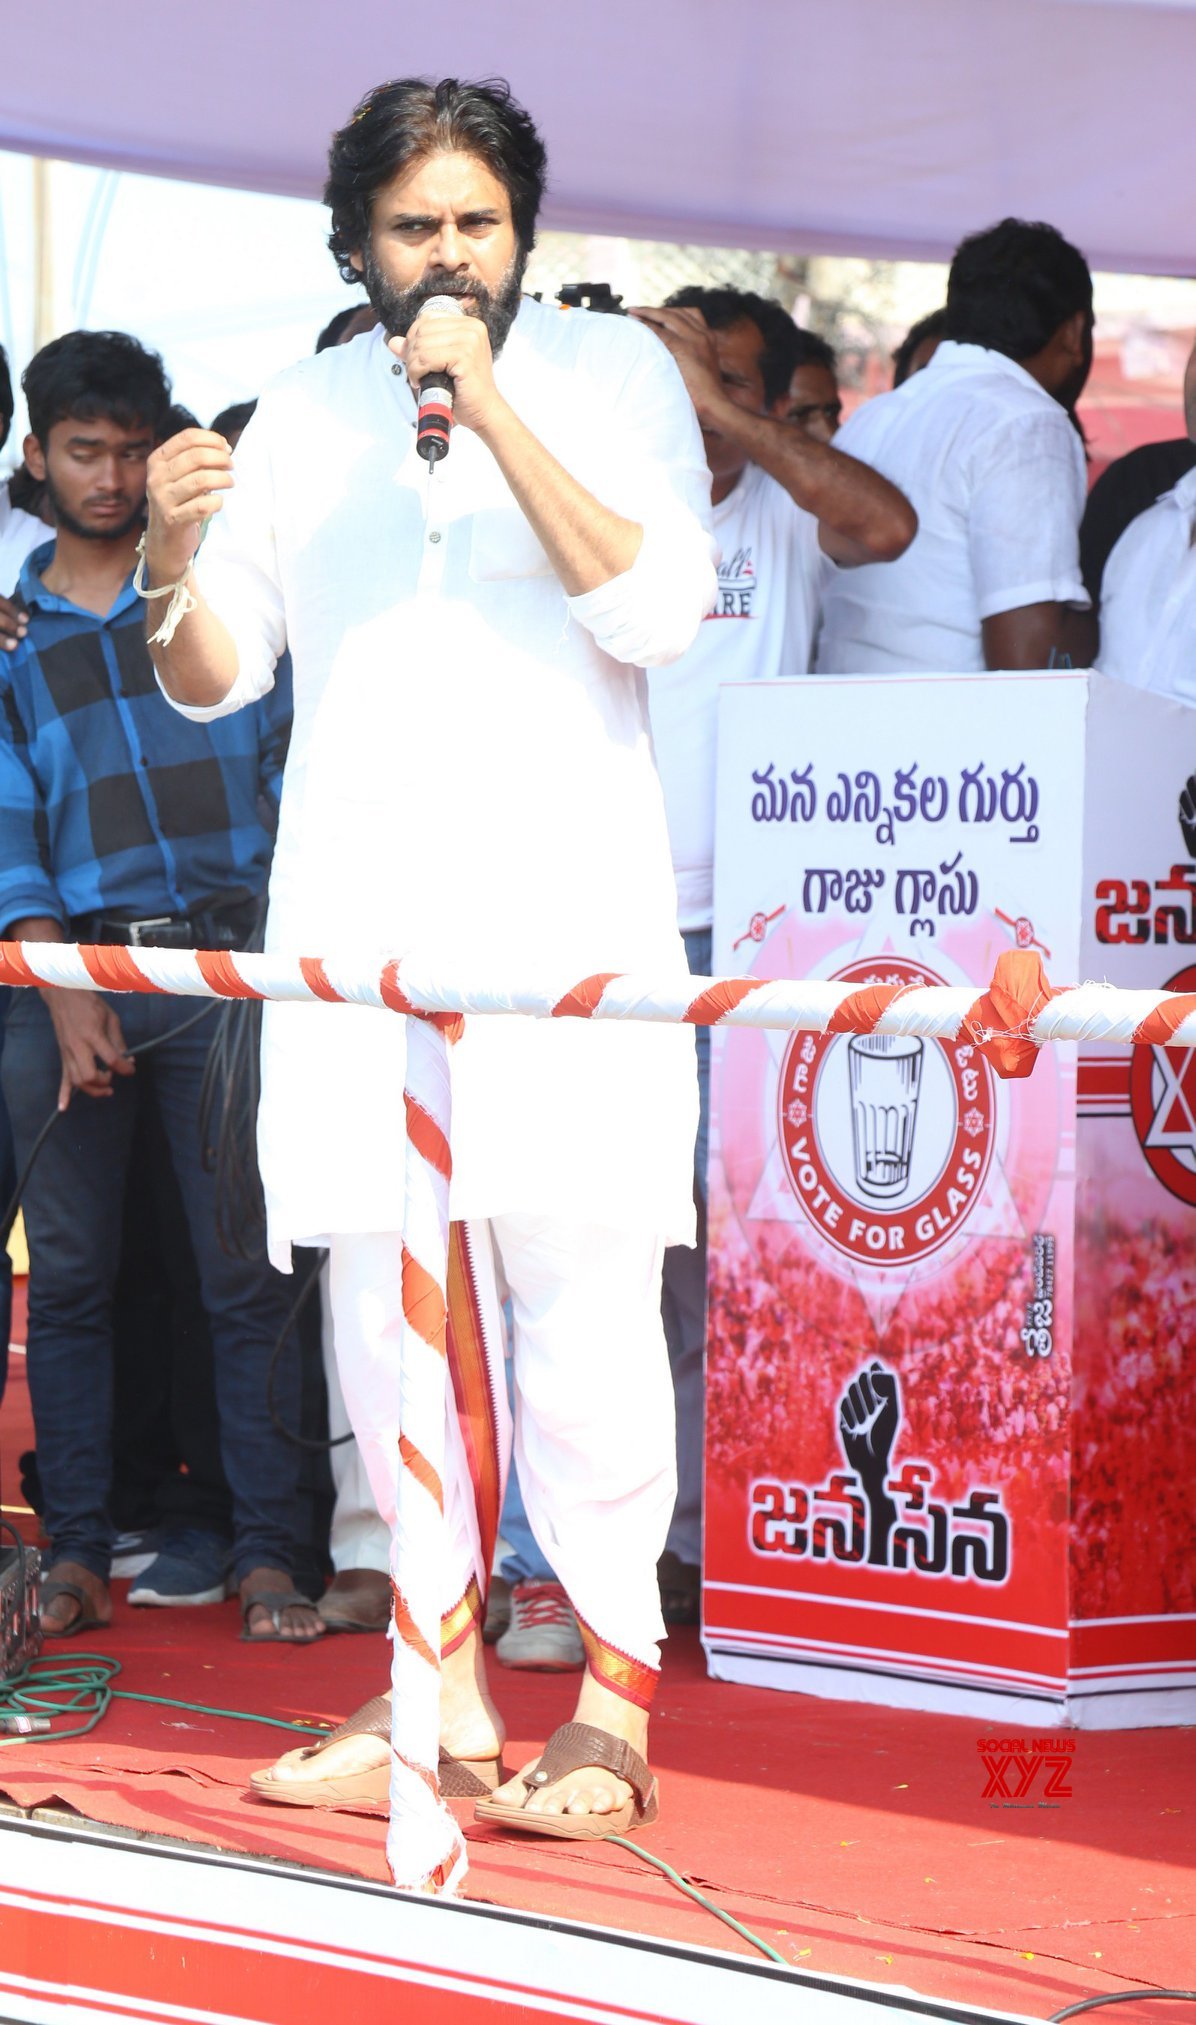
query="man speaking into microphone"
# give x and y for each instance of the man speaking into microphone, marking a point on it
(471, 777)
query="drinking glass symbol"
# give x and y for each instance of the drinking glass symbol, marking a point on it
(885, 1072)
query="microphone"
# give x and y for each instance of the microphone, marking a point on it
(434, 416)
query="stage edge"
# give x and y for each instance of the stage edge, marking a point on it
(95, 1927)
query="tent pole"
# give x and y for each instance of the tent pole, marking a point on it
(44, 321)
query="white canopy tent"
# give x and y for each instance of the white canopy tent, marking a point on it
(852, 126)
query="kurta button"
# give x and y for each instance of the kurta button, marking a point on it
(435, 534)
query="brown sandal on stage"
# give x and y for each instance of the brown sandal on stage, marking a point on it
(460, 1778)
(571, 1749)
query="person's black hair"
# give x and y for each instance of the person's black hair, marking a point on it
(232, 418)
(337, 325)
(932, 326)
(1011, 288)
(27, 492)
(92, 373)
(7, 404)
(723, 307)
(401, 122)
(812, 350)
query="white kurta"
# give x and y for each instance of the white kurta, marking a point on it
(470, 773)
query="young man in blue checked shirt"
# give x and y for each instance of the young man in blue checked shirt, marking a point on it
(121, 823)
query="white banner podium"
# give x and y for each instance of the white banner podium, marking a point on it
(951, 1415)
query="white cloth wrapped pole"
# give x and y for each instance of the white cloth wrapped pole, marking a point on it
(939, 1012)
(424, 1847)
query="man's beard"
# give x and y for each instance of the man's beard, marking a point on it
(397, 308)
(111, 531)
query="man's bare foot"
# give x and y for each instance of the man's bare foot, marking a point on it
(470, 1727)
(63, 1613)
(296, 1622)
(591, 1790)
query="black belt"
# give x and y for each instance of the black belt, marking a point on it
(220, 927)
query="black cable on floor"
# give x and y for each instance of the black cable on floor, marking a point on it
(1123, 1997)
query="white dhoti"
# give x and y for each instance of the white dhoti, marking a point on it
(593, 1422)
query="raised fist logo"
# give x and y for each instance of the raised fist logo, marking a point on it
(869, 1416)
(1187, 814)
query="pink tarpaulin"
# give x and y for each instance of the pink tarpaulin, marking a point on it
(848, 125)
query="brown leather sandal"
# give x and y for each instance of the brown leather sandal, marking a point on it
(460, 1778)
(570, 1749)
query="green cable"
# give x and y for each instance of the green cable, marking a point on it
(82, 1686)
(699, 1898)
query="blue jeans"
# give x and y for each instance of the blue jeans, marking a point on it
(525, 1562)
(684, 1306)
(73, 1209)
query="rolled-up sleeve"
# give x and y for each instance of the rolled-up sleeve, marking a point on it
(1024, 524)
(237, 573)
(654, 473)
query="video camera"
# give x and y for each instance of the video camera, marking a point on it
(596, 295)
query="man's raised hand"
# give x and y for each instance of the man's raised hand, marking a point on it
(687, 335)
(185, 478)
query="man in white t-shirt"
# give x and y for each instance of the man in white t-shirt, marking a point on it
(985, 444)
(787, 507)
(1148, 599)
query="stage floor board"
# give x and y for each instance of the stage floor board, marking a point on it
(855, 1840)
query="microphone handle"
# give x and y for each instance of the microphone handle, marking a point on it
(434, 416)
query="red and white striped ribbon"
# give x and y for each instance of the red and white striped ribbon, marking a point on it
(1019, 1005)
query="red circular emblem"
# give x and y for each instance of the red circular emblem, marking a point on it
(886, 1139)
(1163, 1107)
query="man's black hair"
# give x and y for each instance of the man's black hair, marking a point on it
(402, 122)
(7, 404)
(723, 307)
(232, 418)
(932, 326)
(336, 326)
(812, 350)
(92, 373)
(1011, 288)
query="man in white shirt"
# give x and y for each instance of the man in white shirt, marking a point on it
(20, 532)
(786, 508)
(1148, 599)
(471, 777)
(984, 444)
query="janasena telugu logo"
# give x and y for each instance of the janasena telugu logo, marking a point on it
(886, 1139)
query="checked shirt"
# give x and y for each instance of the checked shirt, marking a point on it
(110, 802)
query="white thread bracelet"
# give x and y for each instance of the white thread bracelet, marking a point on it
(181, 599)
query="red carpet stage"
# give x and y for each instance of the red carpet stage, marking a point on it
(859, 1842)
